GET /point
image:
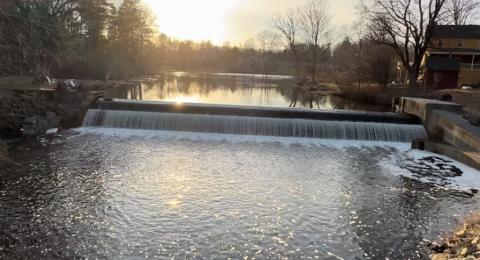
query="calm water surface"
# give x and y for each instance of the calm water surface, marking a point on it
(236, 89)
(160, 197)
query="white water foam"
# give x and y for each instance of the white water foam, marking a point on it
(470, 179)
(214, 137)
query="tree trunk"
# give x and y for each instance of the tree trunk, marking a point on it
(412, 77)
(314, 66)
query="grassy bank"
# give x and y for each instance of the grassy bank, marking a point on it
(464, 243)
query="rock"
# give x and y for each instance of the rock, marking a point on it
(475, 241)
(442, 256)
(464, 252)
(52, 131)
(4, 159)
(39, 125)
(461, 233)
(35, 125)
(52, 119)
(438, 248)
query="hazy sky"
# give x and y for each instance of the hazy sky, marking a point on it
(252, 16)
(233, 20)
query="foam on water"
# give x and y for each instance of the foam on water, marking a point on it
(470, 178)
(233, 138)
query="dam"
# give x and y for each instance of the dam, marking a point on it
(223, 119)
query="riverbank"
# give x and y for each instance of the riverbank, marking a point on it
(464, 243)
(31, 107)
(374, 95)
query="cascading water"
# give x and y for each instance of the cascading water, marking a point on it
(254, 125)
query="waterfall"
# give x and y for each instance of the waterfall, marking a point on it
(254, 125)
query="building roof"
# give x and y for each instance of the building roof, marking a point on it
(457, 31)
(443, 64)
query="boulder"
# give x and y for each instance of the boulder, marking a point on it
(53, 121)
(38, 125)
(443, 256)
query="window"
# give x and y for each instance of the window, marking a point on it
(440, 43)
(460, 43)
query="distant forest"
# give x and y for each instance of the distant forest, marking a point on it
(99, 40)
(96, 39)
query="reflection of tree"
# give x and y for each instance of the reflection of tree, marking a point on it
(204, 84)
(345, 104)
(302, 98)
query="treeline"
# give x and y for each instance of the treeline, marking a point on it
(97, 39)
(82, 38)
(387, 30)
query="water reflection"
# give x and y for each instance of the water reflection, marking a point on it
(111, 197)
(234, 89)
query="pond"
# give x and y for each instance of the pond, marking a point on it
(134, 194)
(235, 89)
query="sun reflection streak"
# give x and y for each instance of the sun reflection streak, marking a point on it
(184, 99)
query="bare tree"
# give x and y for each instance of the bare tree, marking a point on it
(378, 63)
(315, 24)
(461, 12)
(406, 26)
(287, 25)
(266, 41)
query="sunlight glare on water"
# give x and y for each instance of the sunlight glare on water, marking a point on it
(135, 194)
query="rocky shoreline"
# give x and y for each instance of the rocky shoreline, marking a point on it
(462, 244)
(43, 108)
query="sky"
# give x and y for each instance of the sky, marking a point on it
(234, 21)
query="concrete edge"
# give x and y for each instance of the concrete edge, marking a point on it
(214, 109)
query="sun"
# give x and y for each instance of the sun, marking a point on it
(197, 20)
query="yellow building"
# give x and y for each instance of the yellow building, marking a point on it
(452, 59)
